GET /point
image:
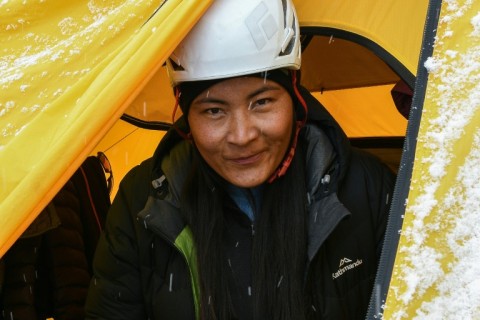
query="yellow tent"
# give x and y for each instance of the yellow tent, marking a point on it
(436, 274)
(70, 70)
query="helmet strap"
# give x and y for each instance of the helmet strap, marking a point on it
(184, 135)
(283, 167)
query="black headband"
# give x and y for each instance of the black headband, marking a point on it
(190, 90)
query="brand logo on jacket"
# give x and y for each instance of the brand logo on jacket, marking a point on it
(344, 261)
(345, 265)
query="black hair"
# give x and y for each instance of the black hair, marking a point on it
(191, 89)
(202, 207)
(279, 245)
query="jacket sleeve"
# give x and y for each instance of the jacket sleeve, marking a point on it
(115, 290)
(381, 185)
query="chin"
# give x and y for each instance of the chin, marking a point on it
(249, 183)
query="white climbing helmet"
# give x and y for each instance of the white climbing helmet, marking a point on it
(238, 37)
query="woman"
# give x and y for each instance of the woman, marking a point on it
(255, 206)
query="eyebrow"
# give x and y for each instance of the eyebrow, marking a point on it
(249, 96)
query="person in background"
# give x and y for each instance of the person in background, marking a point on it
(254, 206)
(402, 96)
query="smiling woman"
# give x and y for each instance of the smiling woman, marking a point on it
(242, 127)
(254, 206)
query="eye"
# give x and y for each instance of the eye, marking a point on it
(214, 112)
(262, 101)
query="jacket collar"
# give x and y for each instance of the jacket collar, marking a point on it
(161, 213)
(324, 209)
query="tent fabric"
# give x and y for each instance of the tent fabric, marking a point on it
(392, 25)
(352, 106)
(125, 146)
(68, 71)
(436, 272)
(155, 103)
(360, 66)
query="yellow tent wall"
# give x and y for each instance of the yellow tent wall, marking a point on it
(68, 71)
(126, 146)
(393, 25)
(436, 273)
(366, 115)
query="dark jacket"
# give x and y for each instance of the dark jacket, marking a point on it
(47, 271)
(144, 265)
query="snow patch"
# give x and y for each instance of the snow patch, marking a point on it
(476, 25)
(432, 65)
(448, 264)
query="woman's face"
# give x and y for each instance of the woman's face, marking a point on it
(242, 128)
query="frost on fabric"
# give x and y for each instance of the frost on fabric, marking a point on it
(459, 288)
(443, 251)
(38, 67)
(476, 25)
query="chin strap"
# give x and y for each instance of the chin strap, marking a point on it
(186, 136)
(283, 167)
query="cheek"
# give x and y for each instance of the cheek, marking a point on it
(206, 144)
(205, 137)
(280, 127)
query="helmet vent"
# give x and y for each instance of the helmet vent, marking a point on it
(289, 21)
(176, 66)
(291, 44)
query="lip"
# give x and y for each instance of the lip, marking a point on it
(247, 160)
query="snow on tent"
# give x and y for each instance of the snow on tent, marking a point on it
(87, 76)
(436, 274)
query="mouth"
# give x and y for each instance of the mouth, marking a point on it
(246, 160)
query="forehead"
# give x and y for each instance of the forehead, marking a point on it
(241, 86)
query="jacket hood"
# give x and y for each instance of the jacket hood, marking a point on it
(319, 117)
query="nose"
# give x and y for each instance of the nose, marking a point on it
(242, 128)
